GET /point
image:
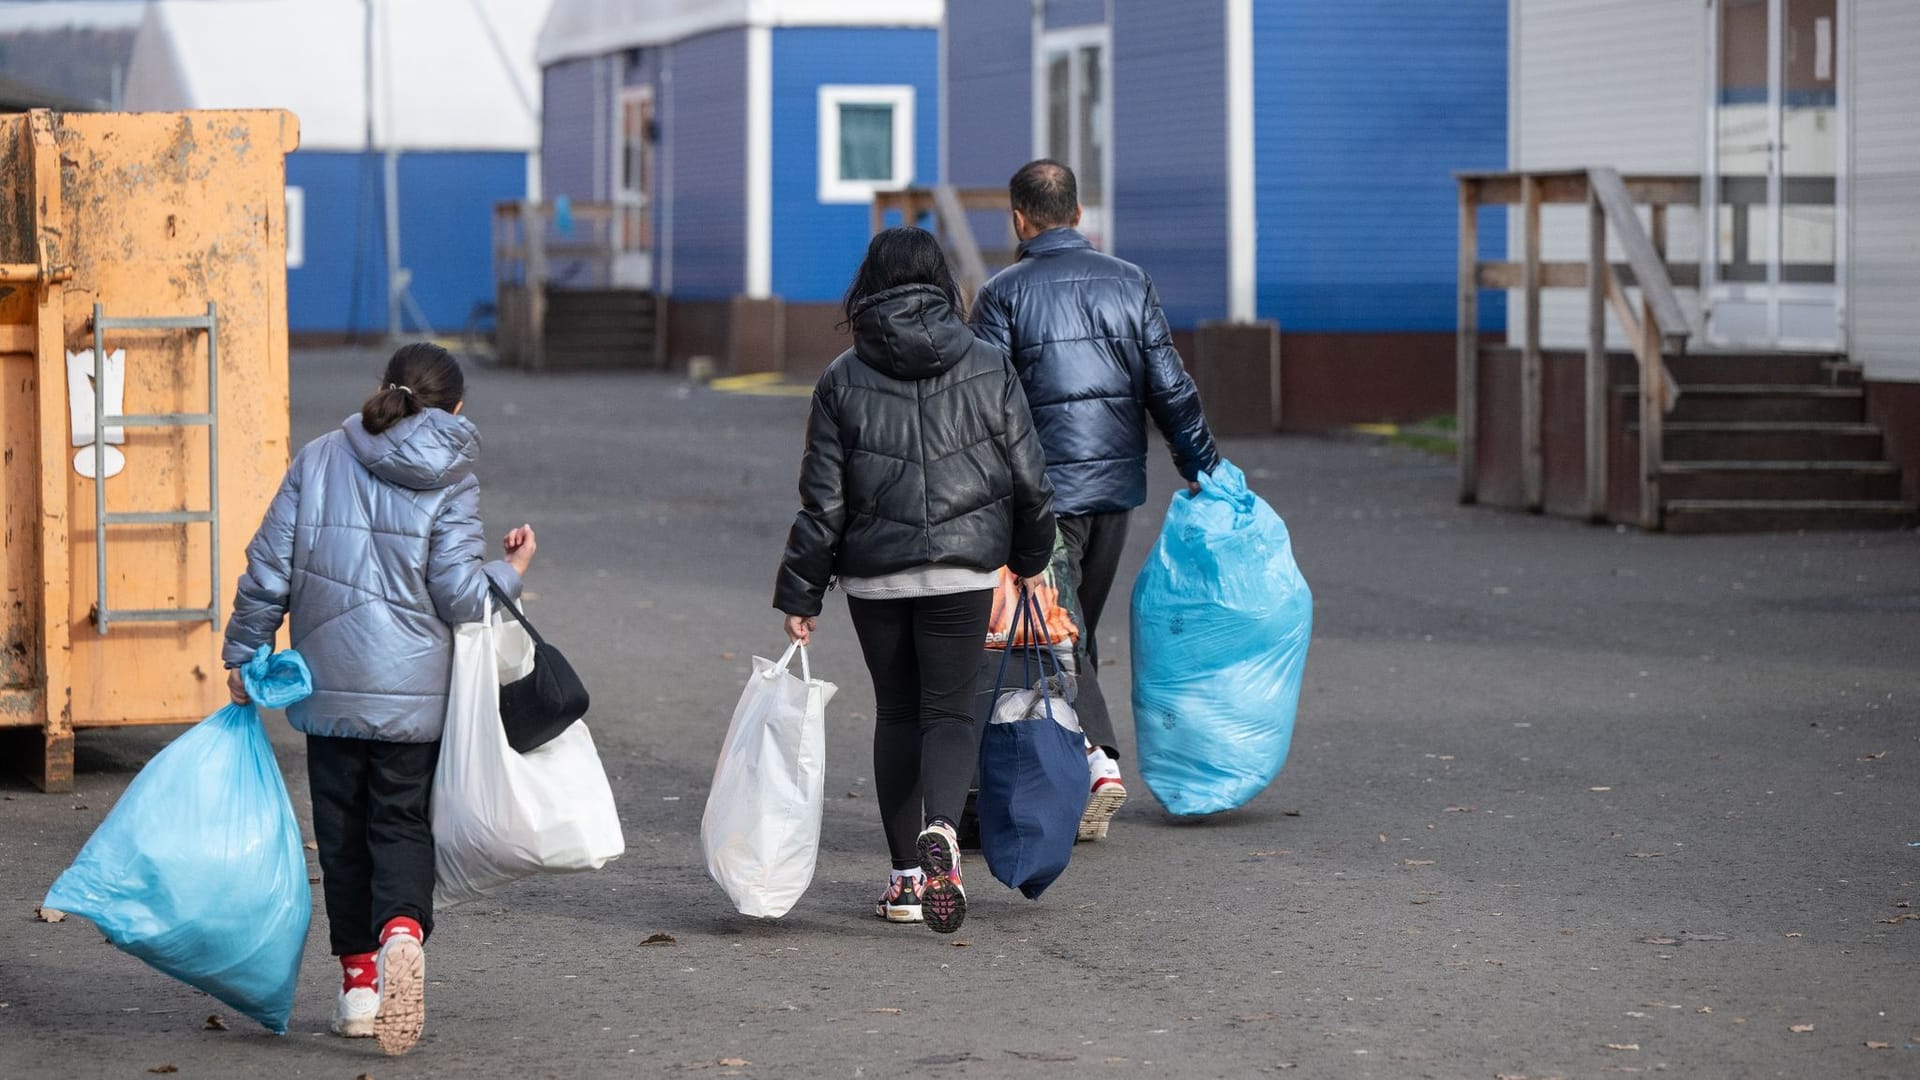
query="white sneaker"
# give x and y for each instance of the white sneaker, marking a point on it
(1105, 798)
(353, 1013)
(403, 994)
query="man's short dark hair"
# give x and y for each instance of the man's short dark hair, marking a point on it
(1045, 192)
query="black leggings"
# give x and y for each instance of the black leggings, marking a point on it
(370, 822)
(924, 656)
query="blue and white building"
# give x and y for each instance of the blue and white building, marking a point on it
(1283, 160)
(448, 123)
(746, 139)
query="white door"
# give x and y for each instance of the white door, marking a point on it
(1773, 268)
(633, 189)
(1072, 84)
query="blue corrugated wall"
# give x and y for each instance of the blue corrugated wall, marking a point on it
(989, 52)
(704, 123)
(569, 96)
(1364, 111)
(446, 236)
(1170, 151)
(816, 246)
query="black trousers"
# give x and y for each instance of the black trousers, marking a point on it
(924, 656)
(1094, 543)
(370, 821)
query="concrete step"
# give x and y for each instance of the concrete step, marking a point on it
(1786, 515)
(1769, 440)
(1793, 480)
(1766, 401)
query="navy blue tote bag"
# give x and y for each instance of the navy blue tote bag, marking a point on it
(1033, 775)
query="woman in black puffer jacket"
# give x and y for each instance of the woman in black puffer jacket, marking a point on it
(922, 477)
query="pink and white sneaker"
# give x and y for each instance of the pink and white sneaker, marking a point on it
(1105, 799)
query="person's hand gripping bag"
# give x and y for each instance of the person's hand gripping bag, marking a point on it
(1221, 622)
(199, 869)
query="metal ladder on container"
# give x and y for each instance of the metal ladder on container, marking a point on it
(103, 614)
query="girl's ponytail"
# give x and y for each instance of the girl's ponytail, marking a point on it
(420, 376)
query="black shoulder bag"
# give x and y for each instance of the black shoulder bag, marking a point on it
(537, 708)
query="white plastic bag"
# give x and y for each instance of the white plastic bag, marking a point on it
(499, 815)
(761, 830)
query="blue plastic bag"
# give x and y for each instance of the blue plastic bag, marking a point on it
(199, 869)
(1033, 773)
(1221, 621)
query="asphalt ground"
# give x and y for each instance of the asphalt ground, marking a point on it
(1562, 801)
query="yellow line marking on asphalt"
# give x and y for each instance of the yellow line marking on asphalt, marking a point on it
(760, 384)
(731, 383)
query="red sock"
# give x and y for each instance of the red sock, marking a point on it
(357, 971)
(400, 924)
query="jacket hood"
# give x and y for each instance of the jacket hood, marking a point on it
(910, 332)
(429, 450)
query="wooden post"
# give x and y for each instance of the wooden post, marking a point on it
(1659, 222)
(1467, 347)
(533, 226)
(1599, 392)
(1531, 391)
(1652, 414)
(52, 770)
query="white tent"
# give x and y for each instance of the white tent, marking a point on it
(448, 74)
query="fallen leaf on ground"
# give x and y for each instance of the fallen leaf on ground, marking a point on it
(1116, 1061)
(729, 656)
(1661, 941)
(1417, 862)
(962, 944)
(853, 794)
(1599, 789)
(1459, 809)
(1704, 1009)
(661, 939)
(1623, 1046)
(47, 914)
(1874, 756)
(1903, 903)
(214, 1023)
(1795, 933)
(365, 1076)
(734, 1063)
(1285, 1065)
(164, 1069)
(1648, 855)
(1871, 1045)
(1799, 1029)
(1428, 900)
(1898, 919)
(1383, 838)
(888, 1010)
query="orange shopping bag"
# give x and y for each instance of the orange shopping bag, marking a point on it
(1058, 622)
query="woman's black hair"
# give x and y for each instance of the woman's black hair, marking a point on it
(420, 376)
(904, 256)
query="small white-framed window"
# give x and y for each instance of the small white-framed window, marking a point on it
(866, 141)
(296, 227)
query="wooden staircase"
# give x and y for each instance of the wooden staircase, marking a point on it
(600, 328)
(1771, 442)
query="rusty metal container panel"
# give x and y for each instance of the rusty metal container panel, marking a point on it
(155, 214)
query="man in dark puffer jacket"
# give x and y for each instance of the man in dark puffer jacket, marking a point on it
(1087, 335)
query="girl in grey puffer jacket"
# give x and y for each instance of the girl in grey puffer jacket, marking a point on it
(373, 546)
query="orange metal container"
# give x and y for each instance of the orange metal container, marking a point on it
(148, 216)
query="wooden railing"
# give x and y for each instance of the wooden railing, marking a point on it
(533, 252)
(945, 208)
(1655, 325)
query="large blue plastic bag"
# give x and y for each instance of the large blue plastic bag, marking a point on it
(1033, 772)
(1221, 621)
(199, 869)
